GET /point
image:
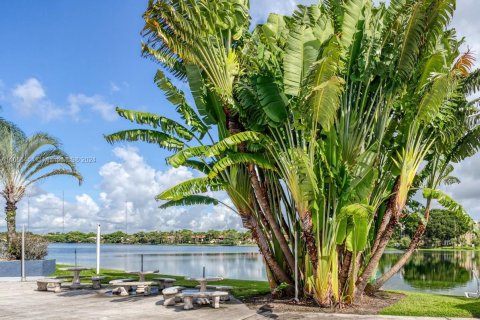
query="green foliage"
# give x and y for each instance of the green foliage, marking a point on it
(190, 201)
(155, 121)
(150, 136)
(190, 187)
(446, 225)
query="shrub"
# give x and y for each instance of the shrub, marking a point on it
(36, 248)
(405, 242)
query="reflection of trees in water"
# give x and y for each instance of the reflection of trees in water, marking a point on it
(238, 265)
(437, 270)
(387, 261)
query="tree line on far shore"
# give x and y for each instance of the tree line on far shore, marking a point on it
(225, 237)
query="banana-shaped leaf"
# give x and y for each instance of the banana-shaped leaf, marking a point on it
(190, 187)
(235, 140)
(351, 17)
(272, 99)
(324, 102)
(150, 136)
(198, 165)
(177, 98)
(239, 158)
(433, 100)
(472, 82)
(409, 49)
(467, 146)
(434, 65)
(356, 228)
(301, 51)
(169, 62)
(445, 200)
(156, 121)
(199, 91)
(190, 201)
(182, 156)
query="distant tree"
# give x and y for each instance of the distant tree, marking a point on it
(446, 225)
(115, 237)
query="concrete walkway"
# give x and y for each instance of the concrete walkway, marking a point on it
(20, 300)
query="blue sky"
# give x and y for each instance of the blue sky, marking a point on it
(65, 65)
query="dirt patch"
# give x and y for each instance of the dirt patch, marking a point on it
(369, 305)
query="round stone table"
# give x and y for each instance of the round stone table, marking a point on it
(76, 275)
(141, 274)
(203, 281)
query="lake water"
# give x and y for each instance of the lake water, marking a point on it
(436, 272)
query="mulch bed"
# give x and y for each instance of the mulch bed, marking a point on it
(369, 305)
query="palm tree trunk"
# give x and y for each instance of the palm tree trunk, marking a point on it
(344, 269)
(309, 237)
(406, 255)
(262, 200)
(385, 219)
(10, 218)
(262, 242)
(234, 126)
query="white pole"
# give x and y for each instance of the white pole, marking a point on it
(296, 267)
(98, 249)
(23, 252)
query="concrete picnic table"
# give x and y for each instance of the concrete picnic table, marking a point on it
(203, 281)
(76, 275)
(141, 274)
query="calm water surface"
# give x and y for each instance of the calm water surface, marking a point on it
(227, 261)
(436, 272)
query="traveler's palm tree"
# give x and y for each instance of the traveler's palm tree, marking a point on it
(324, 121)
(24, 161)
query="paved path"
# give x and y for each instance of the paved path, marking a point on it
(20, 300)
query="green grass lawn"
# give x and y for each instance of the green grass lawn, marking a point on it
(241, 288)
(434, 305)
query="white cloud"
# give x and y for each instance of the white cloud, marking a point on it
(114, 87)
(96, 104)
(127, 183)
(30, 99)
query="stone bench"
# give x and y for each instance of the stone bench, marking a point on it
(220, 288)
(49, 285)
(142, 287)
(172, 295)
(212, 297)
(165, 282)
(97, 282)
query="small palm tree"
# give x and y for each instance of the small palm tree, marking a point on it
(25, 160)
